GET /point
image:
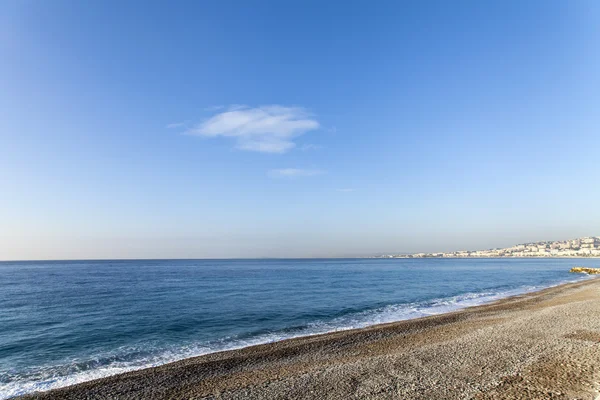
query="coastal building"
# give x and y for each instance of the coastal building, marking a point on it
(582, 247)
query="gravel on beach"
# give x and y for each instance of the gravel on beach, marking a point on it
(544, 345)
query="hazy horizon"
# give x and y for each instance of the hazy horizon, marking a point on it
(269, 130)
(293, 257)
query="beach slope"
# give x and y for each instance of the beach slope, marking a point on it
(544, 345)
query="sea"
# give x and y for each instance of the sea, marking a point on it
(64, 322)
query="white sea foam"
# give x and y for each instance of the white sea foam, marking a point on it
(52, 377)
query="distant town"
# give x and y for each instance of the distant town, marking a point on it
(582, 247)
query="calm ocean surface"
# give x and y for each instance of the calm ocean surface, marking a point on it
(64, 322)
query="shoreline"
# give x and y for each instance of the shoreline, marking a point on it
(278, 369)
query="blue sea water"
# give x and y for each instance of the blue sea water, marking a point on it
(64, 322)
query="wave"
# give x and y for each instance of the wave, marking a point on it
(125, 359)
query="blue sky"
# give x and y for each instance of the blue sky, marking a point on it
(295, 129)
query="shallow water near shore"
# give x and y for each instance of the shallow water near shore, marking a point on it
(65, 322)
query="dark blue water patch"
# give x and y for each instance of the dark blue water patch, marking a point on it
(70, 321)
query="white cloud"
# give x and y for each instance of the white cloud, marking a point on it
(294, 172)
(267, 129)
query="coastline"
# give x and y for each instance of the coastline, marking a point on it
(544, 343)
(588, 247)
(411, 257)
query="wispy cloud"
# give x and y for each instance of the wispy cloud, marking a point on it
(309, 146)
(294, 172)
(267, 129)
(214, 108)
(175, 125)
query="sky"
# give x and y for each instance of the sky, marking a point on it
(227, 129)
